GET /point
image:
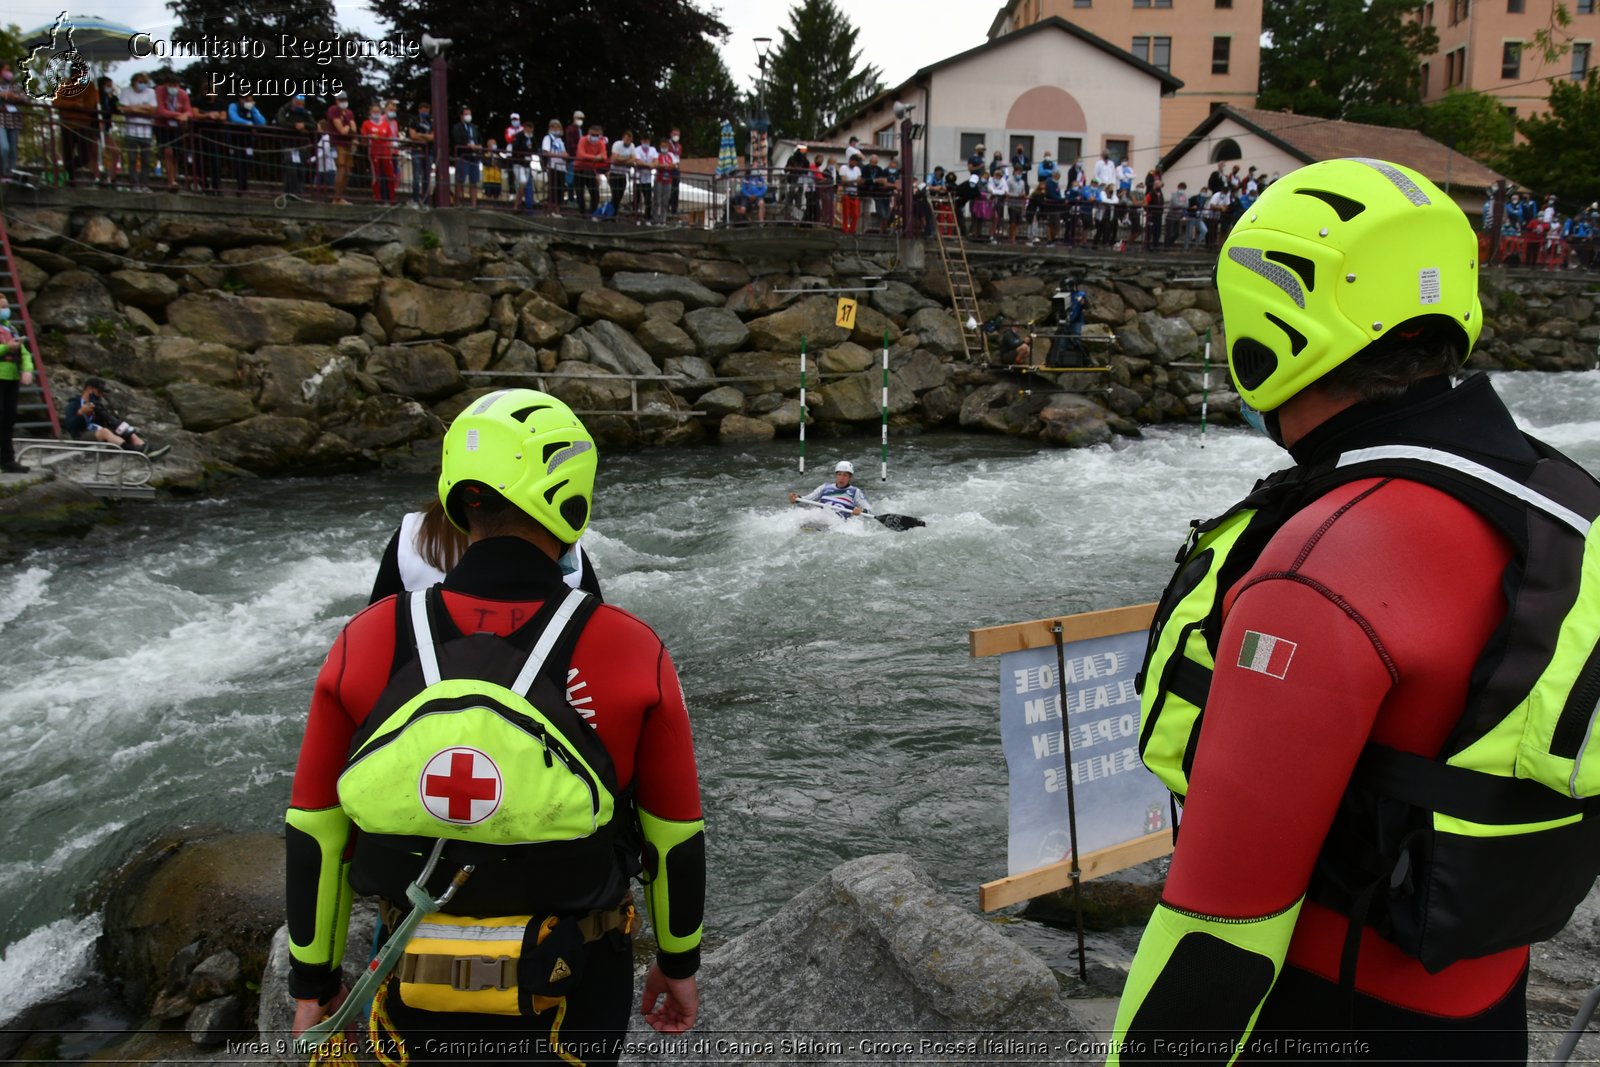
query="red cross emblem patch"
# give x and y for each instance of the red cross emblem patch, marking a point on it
(460, 785)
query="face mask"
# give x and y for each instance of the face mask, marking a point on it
(570, 561)
(5, 313)
(140, 86)
(466, 118)
(1253, 418)
(248, 107)
(578, 123)
(674, 138)
(516, 124)
(8, 76)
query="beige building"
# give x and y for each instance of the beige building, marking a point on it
(1050, 87)
(1488, 46)
(1212, 46)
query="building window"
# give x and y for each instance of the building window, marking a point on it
(1220, 47)
(1455, 67)
(1226, 149)
(1082, 3)
(1152, 3)
(886, 137)
(1156, 51)
(1427, 13)
(1580, 59)
(1025, 140)
(1459, 11)
(1224, 3)
(1514, 7)
(970, 143)
(1585, 7)
(1068, 151)
(1511, 60)
(1426, 70)
(1117, 150)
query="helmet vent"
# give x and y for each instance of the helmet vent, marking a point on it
(1297, 340)
(1253, 362)
(524, 414)
(1300, 265)
(550, 493)
(576, 511)
(1343, 206)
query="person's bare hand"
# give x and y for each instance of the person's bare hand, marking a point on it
(678, 1011)
(308, 1013)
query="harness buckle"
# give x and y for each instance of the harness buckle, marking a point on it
(472, 973)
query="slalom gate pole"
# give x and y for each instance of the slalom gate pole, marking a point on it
(1072, 804)
(885, 448)
(1205, 390)
(802, 403)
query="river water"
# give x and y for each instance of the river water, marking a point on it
(157, 672)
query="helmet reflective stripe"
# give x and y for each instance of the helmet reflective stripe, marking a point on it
(567, 453)
(1253, 259)
(1401, 182)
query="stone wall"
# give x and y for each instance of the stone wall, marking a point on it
(271, 342)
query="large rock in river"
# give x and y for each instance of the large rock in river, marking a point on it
(349, 281)
(223, 891)
(875, 949)
(812, 320)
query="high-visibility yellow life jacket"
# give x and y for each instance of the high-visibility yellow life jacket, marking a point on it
(1493, 843)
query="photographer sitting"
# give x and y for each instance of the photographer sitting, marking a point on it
(90, 417)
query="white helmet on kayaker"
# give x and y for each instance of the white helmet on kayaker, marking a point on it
(844, 466)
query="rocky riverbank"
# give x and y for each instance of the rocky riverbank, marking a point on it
(259, 341)
(874, 962)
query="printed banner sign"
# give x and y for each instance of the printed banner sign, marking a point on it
(1122, 810)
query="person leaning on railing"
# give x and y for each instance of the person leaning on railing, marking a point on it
(420, 134)
(106, 125)
(139, 109)
(295, 117)
(11, 100)
(555, 157)
(243, 117)
(173, 114)
(645, 161)
(77, 104)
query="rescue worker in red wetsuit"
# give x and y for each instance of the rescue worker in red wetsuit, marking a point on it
(1347, 638)
(518, 479)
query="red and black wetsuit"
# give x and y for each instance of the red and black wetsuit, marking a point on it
(1385, 591)
(621, 679)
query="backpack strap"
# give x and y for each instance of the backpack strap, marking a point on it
(422, 634)
(1476, 471)
(554, 631)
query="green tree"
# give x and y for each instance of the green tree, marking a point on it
(11, 50)
(614, 60)
(817, 76)
(1560, 149)
(270, 70)
(1474, 124)
(1345, 59)
(698, 95)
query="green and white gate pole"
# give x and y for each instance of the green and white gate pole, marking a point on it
(885, 447)
(1205, 390)
(802, 403)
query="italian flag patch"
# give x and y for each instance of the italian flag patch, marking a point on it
(1265, 654)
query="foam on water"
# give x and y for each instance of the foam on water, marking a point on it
(48, 962)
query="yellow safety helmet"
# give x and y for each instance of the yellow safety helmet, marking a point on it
(1332, 257)
(531, 449)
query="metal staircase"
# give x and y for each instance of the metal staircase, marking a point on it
(36, 409)
(953, 253)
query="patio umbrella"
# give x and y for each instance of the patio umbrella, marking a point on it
(96, 40)
(727, 154)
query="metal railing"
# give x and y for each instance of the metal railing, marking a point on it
(103, 469)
